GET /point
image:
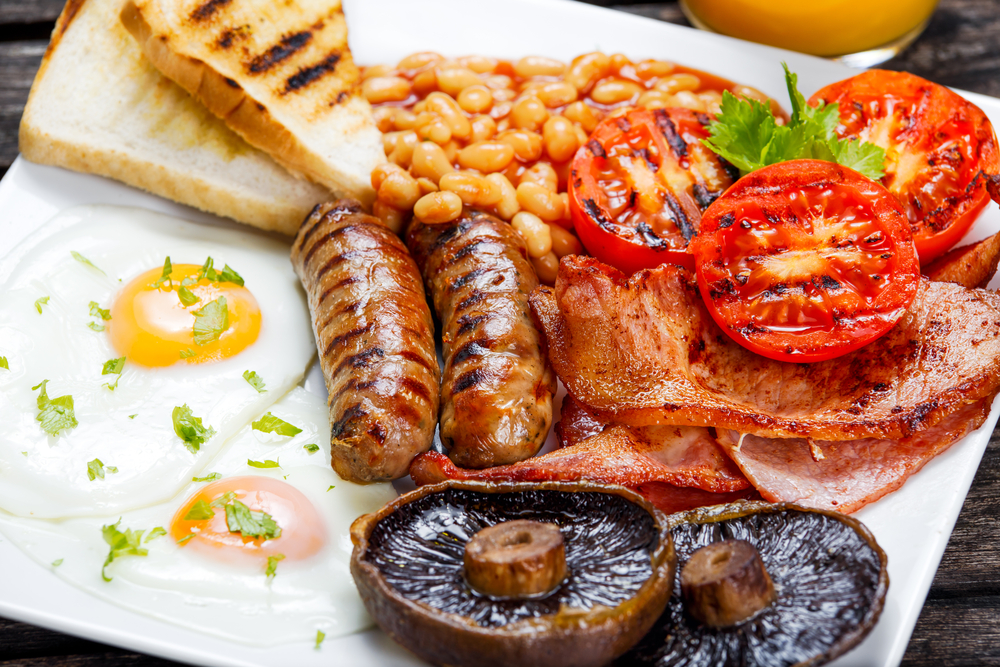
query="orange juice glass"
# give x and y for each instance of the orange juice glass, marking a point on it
(858, 32)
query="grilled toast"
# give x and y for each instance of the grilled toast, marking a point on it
(280, 74)
(98, 106)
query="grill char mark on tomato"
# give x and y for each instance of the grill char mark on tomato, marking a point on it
(669, 130)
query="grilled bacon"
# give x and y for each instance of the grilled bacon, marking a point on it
(644, 351)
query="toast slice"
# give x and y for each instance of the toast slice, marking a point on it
(279, 73)
(98, 106)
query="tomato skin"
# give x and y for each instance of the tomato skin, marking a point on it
(937, 145)
(805, 260)
(657, 157)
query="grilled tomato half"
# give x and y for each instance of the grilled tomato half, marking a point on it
(639, 186)
(805, 260)
(938, 146)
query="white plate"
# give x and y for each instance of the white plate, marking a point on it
(912, 525)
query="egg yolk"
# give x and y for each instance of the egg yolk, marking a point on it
(152, 326)
(303, 532)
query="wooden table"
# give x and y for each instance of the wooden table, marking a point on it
(960, 623)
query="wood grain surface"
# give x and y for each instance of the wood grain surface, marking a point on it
(960, 623)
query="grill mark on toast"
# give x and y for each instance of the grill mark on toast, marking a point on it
(342, 97)
(307, 75)
(207, 10)
(231, 35)
(343, 338)
(288, 45)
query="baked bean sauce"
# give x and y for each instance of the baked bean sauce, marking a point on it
(501, 134)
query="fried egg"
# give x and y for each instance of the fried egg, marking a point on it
(123, 374)
(200, 574)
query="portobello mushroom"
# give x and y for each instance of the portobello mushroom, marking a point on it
(829, 584)
(551, 574)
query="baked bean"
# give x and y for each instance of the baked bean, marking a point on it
(478, 64)
(678, 82)
(454, 79)
(530, 66)
(389, 142)
(754, 94)
(375, 70)
(415, 61)
(501, 113)
(425, 82)
(438, 207)
(486, 156)
(431, 127)
(426, 185)
(503, 124)
(451, 150)
(529, 113)
(383, 118)
(647, 69)
(564, 242)
(655, 99)
(712, 100)
(547, 268)
(560, 138)
(475, 99)
(430, 161)
(541, 173)
(537, 238)
(614, 91)
(483, 128)
(420, 107)
(498, 82)
(689, 100)
(581, 113)
(581, 135)
(403, 119)
(381, 172)
(402, 154)
(474, 190)
(446, 107)
(507, 207)
(618, 61)
(585, 70)
(503, 95)
(380, 89)
(556, 94)
(399, 190)
(391, 217)
(527, 145)
(539, 200)
(566, 216)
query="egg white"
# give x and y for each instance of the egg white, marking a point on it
(46, 476)
(235, 602)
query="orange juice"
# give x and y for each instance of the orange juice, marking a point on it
(819, 27)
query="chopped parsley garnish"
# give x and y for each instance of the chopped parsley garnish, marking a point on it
(271, 424)
(189, 428)
(320, 636)
(39, 302)
(122, 544)
(747, 134)
(311, 448)
(95, 326)
(3, 363)
(133, 416)
(57, 562)
(200, 511)
(211, 321)
(208, 271)
(255, 380)
(113, 367)
(331, 488)
(54, 414)
(168, 268)
(210, 477)
(241, 519)
(186, 296)
(184, 540)
(83, 260)
(263, 464)
(96, 468)
(24, 454)
(272, 564)
(97, 311)
(159, 531)
(187, 353)
(229, 275)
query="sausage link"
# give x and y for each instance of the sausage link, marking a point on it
(375, 338)
(496, 398)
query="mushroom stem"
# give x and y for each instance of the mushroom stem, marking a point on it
(516, 559)
(726, 583)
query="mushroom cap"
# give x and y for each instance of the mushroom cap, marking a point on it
(829, 575)
(408, 567)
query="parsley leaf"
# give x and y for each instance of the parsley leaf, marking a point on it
(187, 353)
(311, 448)
(210, 477)
(211, 321)
(186, 296)
(189, 428)
(200, 511)
(241, 519)
(207, 271)
(748, 135)
(39, 302)
(95, 469)
(330, 488)
(272, 564)
(255, 380)
(184, 540)
(133, 416)
(263, 464)
(54, 414)
(113, 367)
(229, 275)
(271, 424)
(159, 531)
(122, 544)
(83, 260)
(95, 326)
(320, 636)
(3, 363)
(57, 562)
(168, 269)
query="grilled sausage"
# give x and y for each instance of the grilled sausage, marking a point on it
(375, 338)
(496, 398)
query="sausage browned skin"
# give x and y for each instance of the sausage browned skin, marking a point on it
(496, 398)
(375, 338)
